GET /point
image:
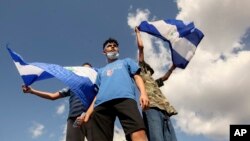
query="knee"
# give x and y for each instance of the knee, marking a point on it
(139, 135)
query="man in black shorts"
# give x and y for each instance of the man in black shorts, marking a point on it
(116, 97)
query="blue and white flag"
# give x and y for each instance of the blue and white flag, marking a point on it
(81, 80)
(182, 37)
(29, 73)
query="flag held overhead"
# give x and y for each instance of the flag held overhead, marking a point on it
(183, 38)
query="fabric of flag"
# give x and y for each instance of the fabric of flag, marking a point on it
(182, 37)
(28, 72)
(80, 80)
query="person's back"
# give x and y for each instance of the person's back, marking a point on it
(155, 95)
(157, 117)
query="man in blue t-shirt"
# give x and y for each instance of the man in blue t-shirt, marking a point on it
(117, 97)
(76, 111)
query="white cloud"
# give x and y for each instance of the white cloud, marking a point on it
(37, 130)
(118, 134)
(224, 22)
(51, 135)
(63, 138)
(216, 91)
(135, 18)
(212, 92)
(61, 109)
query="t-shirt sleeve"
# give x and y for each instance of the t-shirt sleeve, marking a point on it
(64, 92)
(146, 67)
(98, 78)
(132, 66)
(159, 82)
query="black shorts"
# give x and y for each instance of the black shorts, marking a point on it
(104, 116)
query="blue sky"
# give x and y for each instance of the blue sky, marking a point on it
(72, 32)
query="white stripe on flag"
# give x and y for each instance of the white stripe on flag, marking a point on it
(28, 69)
(166, 30)
(181, 45)
(84, 71)
(184, 47)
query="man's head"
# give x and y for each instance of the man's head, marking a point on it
(108, 41)
(110, 49)
(86, 64)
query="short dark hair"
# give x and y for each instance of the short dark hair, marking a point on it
(86, 63)
(110, 40)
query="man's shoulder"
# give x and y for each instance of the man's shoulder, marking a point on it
(65, 92)
(146, 67)
(128, 59)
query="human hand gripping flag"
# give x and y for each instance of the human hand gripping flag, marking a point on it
(81, 80)
(182, 37)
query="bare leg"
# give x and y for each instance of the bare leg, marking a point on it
(139, 135)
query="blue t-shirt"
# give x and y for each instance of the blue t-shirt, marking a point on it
(115, 80)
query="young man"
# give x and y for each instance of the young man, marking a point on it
(157, 117)
(76, 109)
(116, 97)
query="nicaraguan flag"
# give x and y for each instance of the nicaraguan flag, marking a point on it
(182, 37)
(29, 73)
(81, 80)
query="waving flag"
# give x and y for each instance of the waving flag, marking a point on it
(81, 80)
(182, 37)
(29, 73)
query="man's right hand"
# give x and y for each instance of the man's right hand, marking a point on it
(137, 30)
(26, 89)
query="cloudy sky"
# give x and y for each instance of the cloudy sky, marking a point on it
(210, 94)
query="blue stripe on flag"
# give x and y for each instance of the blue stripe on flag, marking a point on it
(30, 79)
(195, 36)
(16, 57)
(178, 59)
(147, 27)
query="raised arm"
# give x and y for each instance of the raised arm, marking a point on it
(165, 76)
(169, 72)
(139, 44)
(42, 94)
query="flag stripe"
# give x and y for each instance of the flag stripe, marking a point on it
(28, 69)
(84, 71)
(149, 28)
(195, 36)
(168, 31)
(178, 59)
(184, 48)
(183, 28)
